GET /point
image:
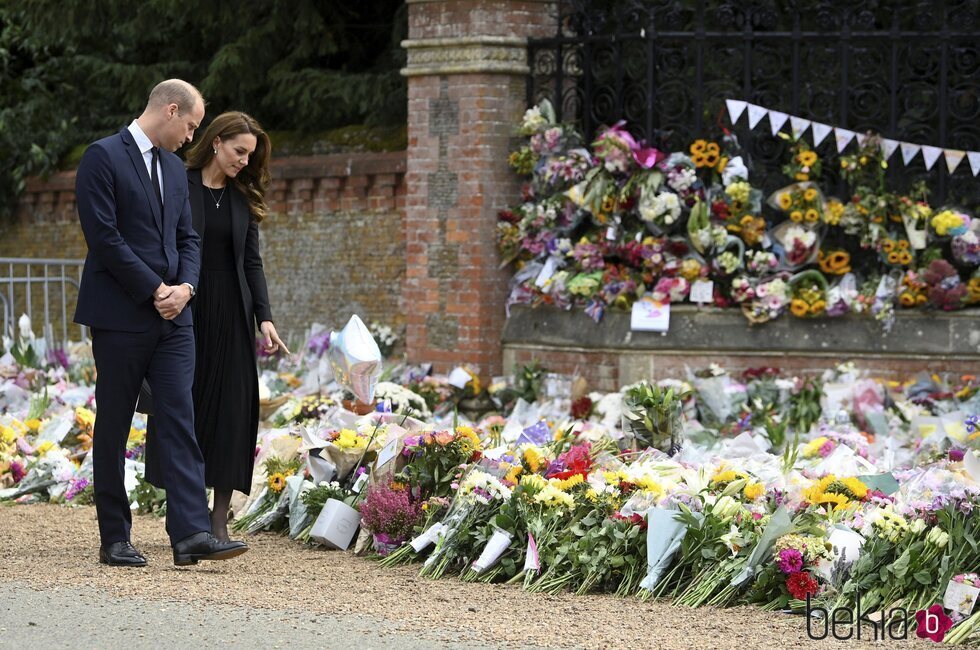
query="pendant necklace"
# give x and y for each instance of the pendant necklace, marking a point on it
(217, 201)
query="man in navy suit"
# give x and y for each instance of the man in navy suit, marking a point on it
(140, 273)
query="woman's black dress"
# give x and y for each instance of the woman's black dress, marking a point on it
(226, 401)
(225, 376)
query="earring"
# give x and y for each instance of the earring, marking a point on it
(215, 150)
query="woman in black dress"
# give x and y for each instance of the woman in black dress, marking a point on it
(227, 174)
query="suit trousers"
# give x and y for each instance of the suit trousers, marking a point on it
(164, 355)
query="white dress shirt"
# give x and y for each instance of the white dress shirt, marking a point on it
(145, 145)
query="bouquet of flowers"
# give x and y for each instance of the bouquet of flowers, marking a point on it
(391, 513)
(809, 290)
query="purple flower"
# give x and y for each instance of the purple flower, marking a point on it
(956, 455)
(319, 343)
(790, 561)
(75, 487)
(17, 472)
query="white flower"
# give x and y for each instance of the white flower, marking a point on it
(734, 170)
(665, 206)
(533, 120)
(24, 323)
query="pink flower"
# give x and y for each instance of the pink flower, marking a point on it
(932, 623)
(827, 448)
(790, 560)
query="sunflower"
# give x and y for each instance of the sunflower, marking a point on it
(796, 216)
(904, 258)
(818, 307)
(807, 158)
(785, 200)
(812, 216)
(907, 299)
(810, 194)
(799, 308)
(608, 204)
(277, 482)
(697, 147)
(893, 257)
(800, 176)
(903, 244)
(888, 245)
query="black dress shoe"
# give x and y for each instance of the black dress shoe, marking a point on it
(121, 554)
(205, 546)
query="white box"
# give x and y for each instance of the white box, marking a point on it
(336, 524)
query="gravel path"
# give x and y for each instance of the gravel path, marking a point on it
(283, 593)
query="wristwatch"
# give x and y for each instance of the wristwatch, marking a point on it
(191, 287)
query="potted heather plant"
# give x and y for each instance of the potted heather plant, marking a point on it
(390, 513)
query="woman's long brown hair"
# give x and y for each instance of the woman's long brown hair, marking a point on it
(254, 178)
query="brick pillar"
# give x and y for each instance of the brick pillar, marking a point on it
(467, 70)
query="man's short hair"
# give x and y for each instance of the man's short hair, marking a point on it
(175, 91)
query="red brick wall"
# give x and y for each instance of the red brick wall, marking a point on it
(460, 131)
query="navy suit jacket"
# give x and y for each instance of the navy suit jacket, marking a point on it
(132, 248)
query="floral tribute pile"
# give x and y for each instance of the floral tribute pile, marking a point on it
(599, 226)
(829, 491)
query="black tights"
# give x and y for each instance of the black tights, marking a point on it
(219, 514)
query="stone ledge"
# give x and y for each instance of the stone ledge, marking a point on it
(466, 55)
(926, 335)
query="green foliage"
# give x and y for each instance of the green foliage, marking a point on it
(71, 72)
(653, 415)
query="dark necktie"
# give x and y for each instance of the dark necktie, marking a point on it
(155, 177)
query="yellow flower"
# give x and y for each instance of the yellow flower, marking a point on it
(698, 146)
(753, 491)
(348, 439)
(7, 435)
(84, 418)
(818, 307)
(726, 476)
(799, 308)
(568, 483)
(796, 216)
(807, 158)
(44, 447)
(136, 436)
(513, 474)
(533, 481)
(812, 448)
(277, 482)
(810, 194)
(856, 486)
(533, 458)
(33, 424)
(785, 200)
(812, 215)
(648, 485)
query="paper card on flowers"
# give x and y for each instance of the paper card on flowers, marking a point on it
(459, 377)
(650, 315)
(702, 291)
(387, 453)
(926, 425)
(960, 597)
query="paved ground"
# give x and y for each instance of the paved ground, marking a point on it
(282, 594)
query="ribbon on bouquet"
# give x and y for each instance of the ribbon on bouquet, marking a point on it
(843, 137)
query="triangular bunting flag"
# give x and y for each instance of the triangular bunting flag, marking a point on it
(953, 159)
(930, 155)
(820, 131)
(735, 108)
(909, 151)
(843, 137)
(756, 113)
(888, 147)
(862, 138)
(974, 158)
(776, 120)
(799, 125)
